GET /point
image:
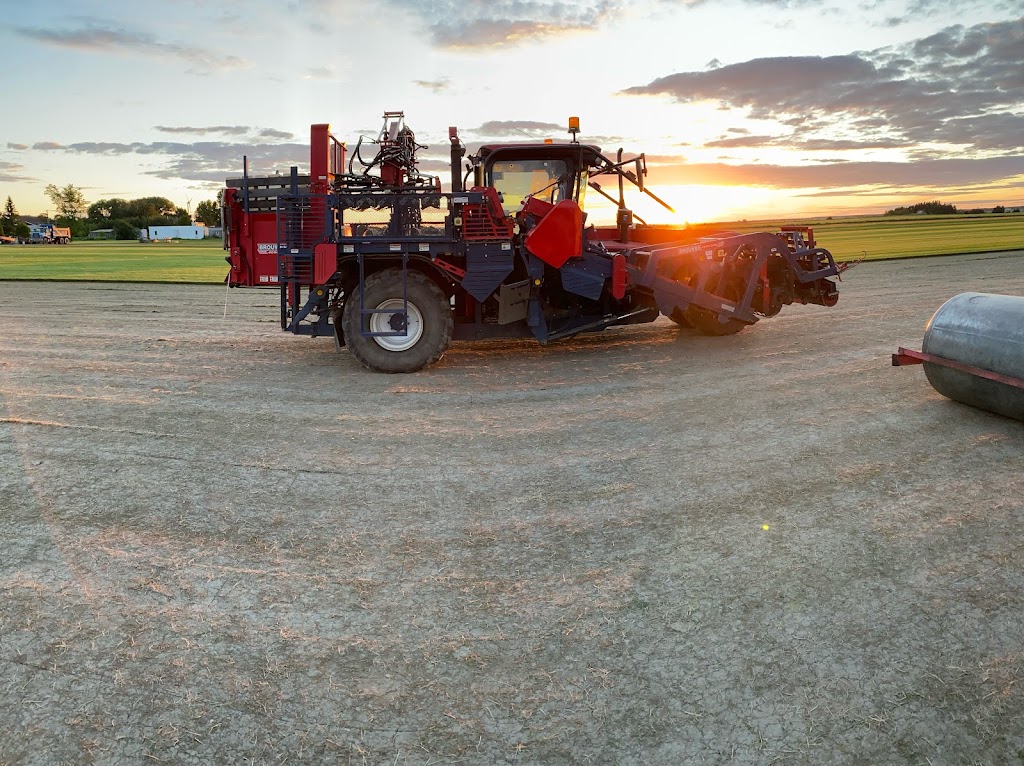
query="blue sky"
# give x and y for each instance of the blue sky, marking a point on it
(745, 108)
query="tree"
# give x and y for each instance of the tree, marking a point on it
(996, 209)
(208, 212)
(928, 208)
(69, 201)
(153, 210)
(106, 210)
(124, 230)
(21, 230)
(9, 219)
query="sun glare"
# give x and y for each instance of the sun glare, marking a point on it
(692, 204)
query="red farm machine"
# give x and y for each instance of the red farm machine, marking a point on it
(373, 253)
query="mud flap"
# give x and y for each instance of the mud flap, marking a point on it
(339, 333)
(513, 301)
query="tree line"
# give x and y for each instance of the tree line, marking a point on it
(943, 208)
(126, 217)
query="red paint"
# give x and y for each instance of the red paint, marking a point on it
(619, 276)
(451, 268)
(559, 235)
(905, 356)
(537, 207)
(252, 245)
(486, 221)
(325, 262)
(326, 158)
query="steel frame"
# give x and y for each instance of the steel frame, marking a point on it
(905, 357)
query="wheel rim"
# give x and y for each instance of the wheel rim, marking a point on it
(390, 321)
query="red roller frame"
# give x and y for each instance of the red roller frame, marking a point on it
(906, 356)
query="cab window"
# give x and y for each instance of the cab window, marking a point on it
(519, 179)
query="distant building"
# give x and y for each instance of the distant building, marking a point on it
(177, 232)
(101, 234)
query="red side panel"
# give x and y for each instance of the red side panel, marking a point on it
(326, 157)
(537, 207)
(620, 277)
(325, 262)
(559, 235)
(252, 244)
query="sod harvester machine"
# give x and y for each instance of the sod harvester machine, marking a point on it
(374, 254)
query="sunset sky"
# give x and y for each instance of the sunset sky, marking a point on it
(745, 108)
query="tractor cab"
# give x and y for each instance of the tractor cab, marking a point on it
(548, 172)
(552, 173)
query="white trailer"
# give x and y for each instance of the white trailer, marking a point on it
(177, 232)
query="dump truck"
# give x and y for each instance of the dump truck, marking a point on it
(369, 250)
(48, 234)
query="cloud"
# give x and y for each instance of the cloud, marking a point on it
(531, 130)
(226, 130)
(271, 133)
(102, 147)
(741, 141)
(763, 82)
(436, 166)
(779, 4)
(507, 128)
(437, 86)
(811, 144)
(841, 144)
(320, 73)
(454, 24)
(9, 172)
(119, 41)
(939, 173)
(17, 147)
(202, 161)
(962, 86)
(930, 9)
(229, 130)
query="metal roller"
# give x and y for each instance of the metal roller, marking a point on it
(973, 352)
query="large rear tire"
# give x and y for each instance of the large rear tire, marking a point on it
(424, 337)
(706, 321)
(679, 317)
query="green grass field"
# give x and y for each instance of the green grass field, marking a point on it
(203, 261)
(906, 237)
(199, 261)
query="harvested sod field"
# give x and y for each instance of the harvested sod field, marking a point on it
(226, 544)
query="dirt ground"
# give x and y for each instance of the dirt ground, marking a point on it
(225, 544)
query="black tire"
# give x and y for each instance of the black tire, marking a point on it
(706, 321)
(428, 306)
(679, 317)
